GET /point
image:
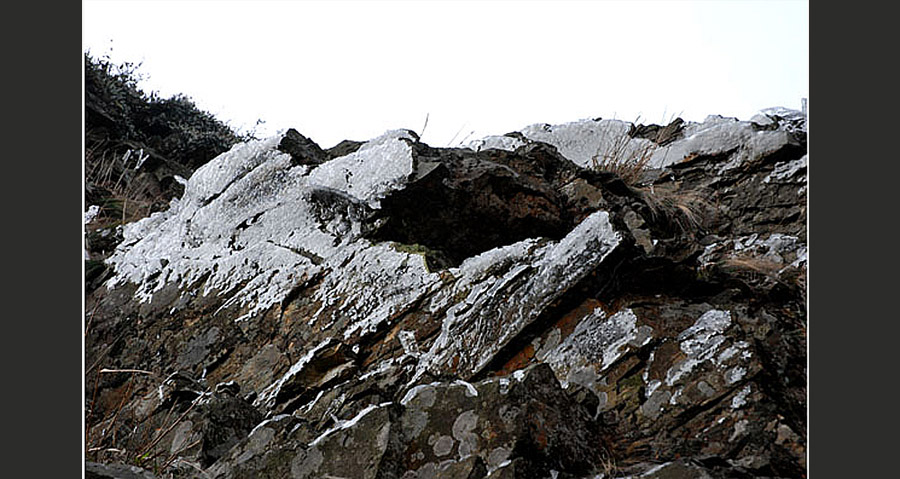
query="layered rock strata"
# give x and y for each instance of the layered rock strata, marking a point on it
(394, 310)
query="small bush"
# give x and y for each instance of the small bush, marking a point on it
(117, 110)
(136, 143)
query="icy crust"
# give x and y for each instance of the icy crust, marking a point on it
(783, 118)
(782, 250)
(375, 283)
(214, 177)
(708, 357)
(777, 247)
(719, 135)
(247, 227)
(501, 291)
(597, 342)
(91, 213)
(786, 170)
(586, 141)
(701, 342)
(378, 167)
(502, 142)
(580, 141)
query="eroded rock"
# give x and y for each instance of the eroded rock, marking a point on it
(386, 309)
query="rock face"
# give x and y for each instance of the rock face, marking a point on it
(512, 309)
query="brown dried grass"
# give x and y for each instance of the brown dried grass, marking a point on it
(628, 163)
(689, 210)
(109, 169)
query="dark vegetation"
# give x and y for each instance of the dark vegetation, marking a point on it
(137, 143)
(138, 147)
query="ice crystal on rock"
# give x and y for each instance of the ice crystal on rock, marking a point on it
(379, 166)
(415, 311)
(249, 224)
(580, 141)
(521, 291)
(586, 141)
(596, 339)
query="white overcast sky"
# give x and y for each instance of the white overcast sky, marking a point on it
(352, 70)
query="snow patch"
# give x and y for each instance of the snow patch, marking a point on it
(269, 394)
(247, 228)
(786, 170)
(700, 342)
(341, 425)
(91, 213)
(504, 142)
(580, 141)
(740, 398)
(596, 339)
(376, 168)
(470, 389)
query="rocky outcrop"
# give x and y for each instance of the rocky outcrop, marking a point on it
(513, 309)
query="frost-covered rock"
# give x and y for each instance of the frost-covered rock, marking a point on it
(584, 142)
(782, 118)
(249, 225)
(520, 291)
(592, 142)
(389, 309)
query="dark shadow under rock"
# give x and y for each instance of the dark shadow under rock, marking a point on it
(505, 197)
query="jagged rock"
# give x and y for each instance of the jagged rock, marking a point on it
(175, 422)
(324, 365)
(587, 141)
(661, 135)
(343, 148)
(506, 197)
(471, 467)
(453, 429)
(93, 470)
(224, 422)
(391, 310)
(359, 447)
(781, 118)
(303, 151)
(499, 420)
(681, 469)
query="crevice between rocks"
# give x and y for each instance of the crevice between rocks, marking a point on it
(568, 301)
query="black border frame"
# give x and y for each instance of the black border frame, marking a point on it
(48, 129)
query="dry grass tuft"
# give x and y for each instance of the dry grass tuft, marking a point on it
(760, 271)
(619, 156)
(689, 210)
(142, 450)
(110, 173)
(754, 267)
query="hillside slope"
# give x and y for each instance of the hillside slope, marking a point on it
(514, 309)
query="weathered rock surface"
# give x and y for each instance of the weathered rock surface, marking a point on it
(391, 310)
(93, 470)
